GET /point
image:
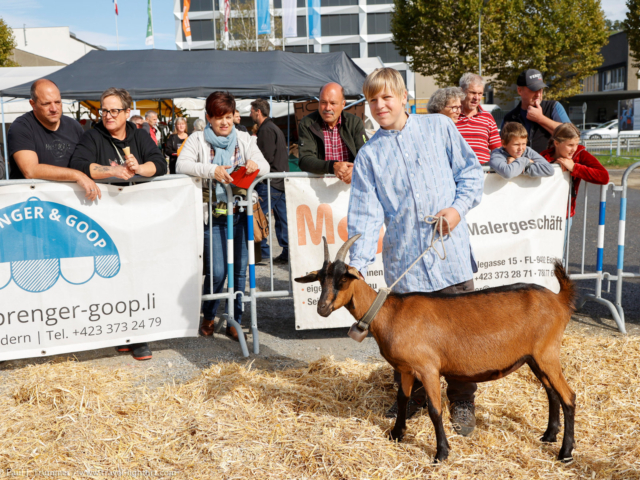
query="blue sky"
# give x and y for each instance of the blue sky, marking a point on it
(93, 20)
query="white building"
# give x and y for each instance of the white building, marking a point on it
(361, 28)
(48, 46)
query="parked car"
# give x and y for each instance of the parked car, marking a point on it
(587, 126)
(605, 130)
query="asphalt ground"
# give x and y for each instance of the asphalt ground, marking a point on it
(282, 346)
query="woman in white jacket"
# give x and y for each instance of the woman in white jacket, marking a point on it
(213, 154)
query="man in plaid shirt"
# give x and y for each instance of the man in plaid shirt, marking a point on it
(330, 138)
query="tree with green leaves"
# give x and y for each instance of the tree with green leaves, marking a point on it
(561, 38)
(7, 45)
(242, 28)
(631, 25)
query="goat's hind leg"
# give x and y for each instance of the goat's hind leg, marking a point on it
(553, 426)
(431, 384)
(404, 393)
(553, 371)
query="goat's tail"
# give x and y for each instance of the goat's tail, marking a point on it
(568, 291)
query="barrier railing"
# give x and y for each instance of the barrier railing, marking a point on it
(599, 275)
(621, 274)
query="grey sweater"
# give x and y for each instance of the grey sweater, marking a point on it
(539, 168)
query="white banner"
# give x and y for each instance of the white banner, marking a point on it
(517, 232)
(76, 275)
(289, 19)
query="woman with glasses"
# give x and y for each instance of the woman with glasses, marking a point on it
(447, 101)
(100, 153)
(175, 141)
(214, 154)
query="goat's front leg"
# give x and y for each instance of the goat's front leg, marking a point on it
(404, 394)
(431, 382)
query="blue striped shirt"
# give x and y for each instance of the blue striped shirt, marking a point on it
(399, 178)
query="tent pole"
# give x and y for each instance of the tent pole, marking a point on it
(270, 106)
(4, 141)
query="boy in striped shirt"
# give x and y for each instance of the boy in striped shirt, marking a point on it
(475, 125)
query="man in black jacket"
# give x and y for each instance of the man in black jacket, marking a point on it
(539, 117)
(330, 139)
(273, 146)
(100, 154)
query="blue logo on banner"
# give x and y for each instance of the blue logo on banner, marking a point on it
(35, 235)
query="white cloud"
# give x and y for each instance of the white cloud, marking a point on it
(615, 9)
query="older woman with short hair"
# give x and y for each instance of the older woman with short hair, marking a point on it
(447, 101)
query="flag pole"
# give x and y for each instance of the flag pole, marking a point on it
(153, 36)
(307, 26)
(117, 37)
(256, 2)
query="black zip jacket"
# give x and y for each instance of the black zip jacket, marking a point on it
(539, 136)
(311, 141)
(98, 146)
(273, 146)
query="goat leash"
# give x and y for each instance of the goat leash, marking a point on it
(360, 329)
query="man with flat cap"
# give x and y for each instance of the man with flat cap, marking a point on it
(540, 117)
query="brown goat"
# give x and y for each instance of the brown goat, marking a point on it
(471, 337)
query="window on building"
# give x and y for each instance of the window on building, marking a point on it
(298, 48)
(198, 6)
(613, 79)
(351, 49)
(386, 51)
(379, 2)
(201, 31)
(333, 25)
(379, 23)
(338, 3)
(302, 26)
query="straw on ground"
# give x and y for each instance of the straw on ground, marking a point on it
(320, 422)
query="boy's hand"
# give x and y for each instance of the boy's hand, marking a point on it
(452, 216)
(510, 160)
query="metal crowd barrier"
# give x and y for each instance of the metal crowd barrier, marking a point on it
(599, 275)
(621, 274)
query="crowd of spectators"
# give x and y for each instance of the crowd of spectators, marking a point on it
(44, 144)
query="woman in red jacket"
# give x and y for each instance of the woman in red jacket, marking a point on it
(565, 149)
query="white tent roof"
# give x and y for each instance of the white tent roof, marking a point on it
(368, 65)
(12, 76)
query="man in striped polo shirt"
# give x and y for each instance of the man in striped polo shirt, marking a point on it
(475, 125)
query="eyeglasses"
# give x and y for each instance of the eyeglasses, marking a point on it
(455, 108)
(114, 112)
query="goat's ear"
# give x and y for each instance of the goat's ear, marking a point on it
(353, 272)
(312, 277)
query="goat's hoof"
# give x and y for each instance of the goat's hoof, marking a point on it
(548, 438)
(565, 457)
(396, 435)
(441, 456)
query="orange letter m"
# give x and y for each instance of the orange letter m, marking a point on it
(324, 216)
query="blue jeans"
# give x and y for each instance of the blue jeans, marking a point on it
(240, 260)
(279, 208)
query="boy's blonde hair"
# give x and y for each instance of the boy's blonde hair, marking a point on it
(382, 78)
(512, 130)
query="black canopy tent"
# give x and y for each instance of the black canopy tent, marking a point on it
(149, 74)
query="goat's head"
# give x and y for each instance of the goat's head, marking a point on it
(336, 279)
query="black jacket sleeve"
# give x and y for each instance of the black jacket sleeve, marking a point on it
(267, 144)
(308, 151)
(149, 152)
(85, 153)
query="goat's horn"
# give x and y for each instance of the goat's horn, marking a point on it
(327, 258)
(342, 253)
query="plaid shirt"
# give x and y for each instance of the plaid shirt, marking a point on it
(334, 148)
(235, 160)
